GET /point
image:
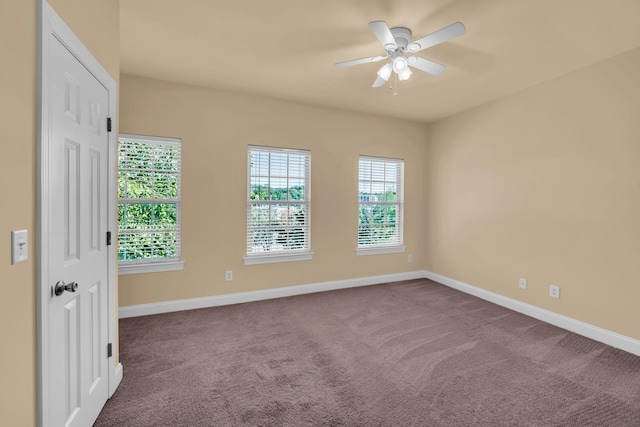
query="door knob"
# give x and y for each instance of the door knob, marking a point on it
(61, 287)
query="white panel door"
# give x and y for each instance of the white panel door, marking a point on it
(77, 255)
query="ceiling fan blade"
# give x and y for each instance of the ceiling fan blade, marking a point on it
(381, 30)
(379, 82)
(426, 65)
(440, 36)
(359, 61)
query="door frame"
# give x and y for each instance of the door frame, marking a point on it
(50, 24)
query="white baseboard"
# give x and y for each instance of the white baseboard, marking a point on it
(117, 379)
(590, 331)
(240, 297)
(585, 329)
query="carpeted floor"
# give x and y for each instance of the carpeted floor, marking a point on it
(412, 353)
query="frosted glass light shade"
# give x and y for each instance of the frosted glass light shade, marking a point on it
(405, 74)
(399, 64)
(385, 72)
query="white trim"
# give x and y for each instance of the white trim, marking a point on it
(149, 267)
(585, 329)
(396, 160)
(50, 24)
(594, 332)
(128, 143)
(271, 258)
(398, 203)
(241, 297)
(289, 254)
(117, 379)
(377, 250)
(115, 371)
(151, 139)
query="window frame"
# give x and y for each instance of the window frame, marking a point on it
(152, 265)
(398, 245)
(253, 258)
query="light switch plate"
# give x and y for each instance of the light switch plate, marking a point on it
(19, 246)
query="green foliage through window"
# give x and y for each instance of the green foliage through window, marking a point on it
(278, 201)
(148, 198)
(380, 202)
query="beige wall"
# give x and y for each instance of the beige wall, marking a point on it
(18, 36)
(18, 135)
(542, 185)
(215, 128)
(545, 185)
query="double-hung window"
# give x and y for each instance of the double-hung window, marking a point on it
(380, 205)
(149, 170)
(278, 205)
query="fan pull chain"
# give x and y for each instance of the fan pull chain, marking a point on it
(394, 86)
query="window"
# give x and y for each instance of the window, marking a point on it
(380, 205)
(278, 205)
(149, 171)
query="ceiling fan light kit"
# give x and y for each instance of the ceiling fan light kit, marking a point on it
(400, 64)
(396, 41)
(405, 74)
(385, 72)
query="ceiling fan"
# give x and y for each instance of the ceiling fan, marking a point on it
(397, 43)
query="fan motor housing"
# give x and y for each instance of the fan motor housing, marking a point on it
(402, 36)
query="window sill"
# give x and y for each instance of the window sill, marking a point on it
(271, 258)
(149, 267)
(380, 250)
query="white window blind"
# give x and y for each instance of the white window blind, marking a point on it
(278, 202)
(149, 172)
(380, 198)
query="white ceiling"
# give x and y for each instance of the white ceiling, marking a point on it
(286, 48)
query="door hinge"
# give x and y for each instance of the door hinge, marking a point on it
(109, 350)
(108, 124)
(108, 238)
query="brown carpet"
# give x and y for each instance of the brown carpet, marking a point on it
(412, 353)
